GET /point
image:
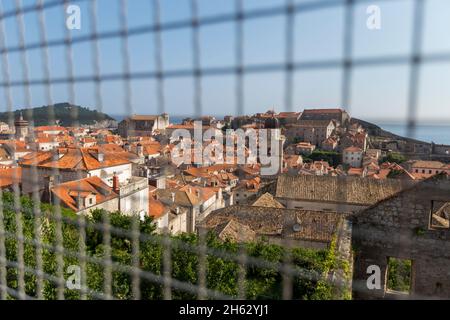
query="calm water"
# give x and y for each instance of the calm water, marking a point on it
(437, 133)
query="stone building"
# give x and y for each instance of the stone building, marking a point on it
(353, 156)
(312, 131)
(143, 125)
(328, 193)
(299, 228)
(424, 169)
(85, 195)
(411, 226)
(4, 127)
(341, 116)
(68, 164)
(185, 200)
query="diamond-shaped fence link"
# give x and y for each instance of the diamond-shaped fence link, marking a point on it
(18, 269)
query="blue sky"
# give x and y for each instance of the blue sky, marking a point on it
(377, 92)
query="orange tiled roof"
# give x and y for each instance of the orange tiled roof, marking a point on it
(75, 159)
(383, 173)
(88, 140)
(68, 192)
(50, 128)
(156, 208)
(18, 146)
(204, 192)
(355, 172)
(111, 147)
(46, 140)
(9, 176)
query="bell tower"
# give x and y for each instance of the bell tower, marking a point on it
(21, 128)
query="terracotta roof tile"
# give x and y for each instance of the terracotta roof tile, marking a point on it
(67, 192)
(156, 208)
(76, 158)
(9, 176)
(50, 128)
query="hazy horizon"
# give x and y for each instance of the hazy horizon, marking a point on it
(391, 121)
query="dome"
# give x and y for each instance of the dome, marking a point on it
(21, 122)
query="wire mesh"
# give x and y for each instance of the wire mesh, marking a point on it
(289, 9)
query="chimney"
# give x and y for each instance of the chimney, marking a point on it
(127, 146)
(116, 185)
(100, 156)
(173, 197)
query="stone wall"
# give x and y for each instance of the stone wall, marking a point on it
(342, 275)
(400, 227)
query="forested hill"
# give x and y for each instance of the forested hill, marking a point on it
(64, 113)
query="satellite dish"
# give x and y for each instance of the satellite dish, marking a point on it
(296, 227)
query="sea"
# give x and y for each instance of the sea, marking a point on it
(438, 133)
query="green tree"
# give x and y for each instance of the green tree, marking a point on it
(332, 157)
(394, 157)
(222, 273)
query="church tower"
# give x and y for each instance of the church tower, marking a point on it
(21, 127)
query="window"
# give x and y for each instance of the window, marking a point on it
(399, 275)
(90, 201)
(440, 215)
(423, 170)
(430, 171)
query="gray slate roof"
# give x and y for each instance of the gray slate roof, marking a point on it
(276, 222)
(350, 190)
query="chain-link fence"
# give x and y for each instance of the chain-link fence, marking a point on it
(38, 243)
